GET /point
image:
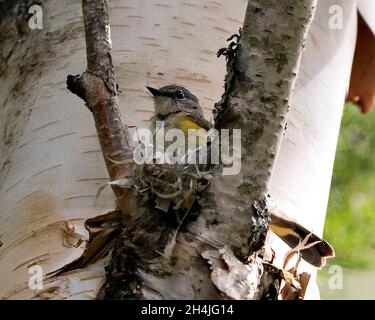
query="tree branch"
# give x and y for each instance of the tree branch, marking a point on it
(260, 80)
(97, 87)
(259, 85)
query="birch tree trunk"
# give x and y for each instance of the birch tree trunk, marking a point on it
(52, 166)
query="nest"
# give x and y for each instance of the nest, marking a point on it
(172, 186)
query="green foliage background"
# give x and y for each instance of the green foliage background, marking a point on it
(350, 222)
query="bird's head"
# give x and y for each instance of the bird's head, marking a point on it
(172, 99)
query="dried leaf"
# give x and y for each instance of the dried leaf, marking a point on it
(103, 232)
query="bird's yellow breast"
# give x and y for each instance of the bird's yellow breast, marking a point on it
(182, 122)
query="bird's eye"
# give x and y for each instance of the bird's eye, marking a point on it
(179, 95)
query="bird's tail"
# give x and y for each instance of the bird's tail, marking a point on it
(293, 234)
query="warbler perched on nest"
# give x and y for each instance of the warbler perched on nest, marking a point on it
(178, 187)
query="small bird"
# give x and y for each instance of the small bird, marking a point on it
(177, 108)
(180, 109)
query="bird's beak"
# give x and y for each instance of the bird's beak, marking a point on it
(155, 92)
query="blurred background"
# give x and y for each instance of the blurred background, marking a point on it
(350, 221)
